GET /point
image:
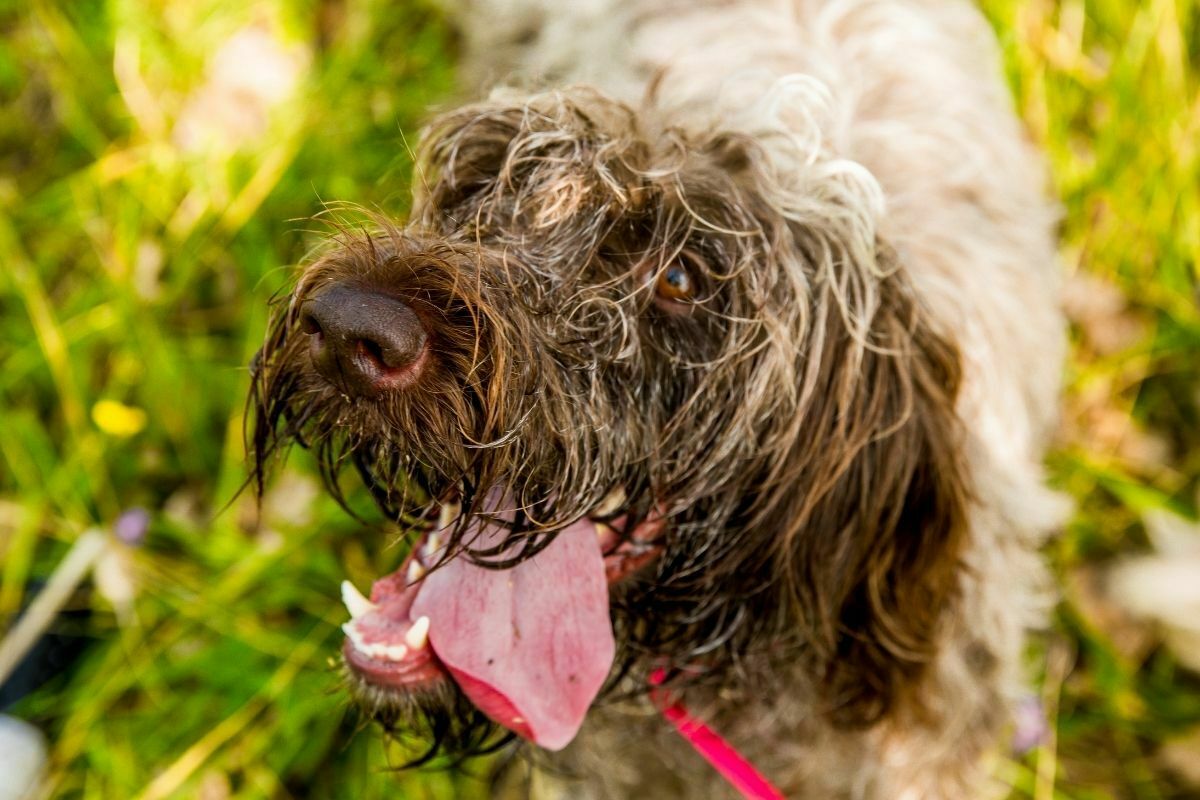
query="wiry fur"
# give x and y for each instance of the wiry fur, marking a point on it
(843, 433)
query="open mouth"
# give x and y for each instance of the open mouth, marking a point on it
(530, 645)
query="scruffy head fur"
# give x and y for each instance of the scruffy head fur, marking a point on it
(793, 416)
(795, 419)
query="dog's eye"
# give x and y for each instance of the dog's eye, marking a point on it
(674, 283)
(675, 287)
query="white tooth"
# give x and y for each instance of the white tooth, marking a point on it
(383, 652)
(448, 513)
(433, 543)
(611, 502)
(351, 631)
(416, 571)
(418, 634)
(355, 603)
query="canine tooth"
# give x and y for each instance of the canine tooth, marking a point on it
(611, 502)
(448, 513)
(355, 603)
(416, 571)
(418, 634)
(605, 534)
(433, 543)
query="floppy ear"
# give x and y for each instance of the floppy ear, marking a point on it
(871, 546)
(461, 152)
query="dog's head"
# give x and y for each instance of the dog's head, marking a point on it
(647, 397)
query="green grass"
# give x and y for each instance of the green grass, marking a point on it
(138, 252)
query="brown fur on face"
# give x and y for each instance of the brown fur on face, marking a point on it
(796, 424)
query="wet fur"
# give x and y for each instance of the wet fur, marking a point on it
(837, 518)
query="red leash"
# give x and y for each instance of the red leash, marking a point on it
(726, 760)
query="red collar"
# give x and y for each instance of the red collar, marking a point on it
(723, 757)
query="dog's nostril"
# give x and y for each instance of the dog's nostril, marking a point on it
(363, 342)
(376, 354)
(309, 324)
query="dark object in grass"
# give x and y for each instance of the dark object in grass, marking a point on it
(52, 657)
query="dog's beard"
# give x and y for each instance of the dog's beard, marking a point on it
(436, 722)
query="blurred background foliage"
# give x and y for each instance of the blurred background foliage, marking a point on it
(160, 163)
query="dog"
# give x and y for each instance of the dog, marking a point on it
(712, 373)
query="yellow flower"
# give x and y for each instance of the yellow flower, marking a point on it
(118, 419)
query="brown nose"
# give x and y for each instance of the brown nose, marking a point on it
(363, 342)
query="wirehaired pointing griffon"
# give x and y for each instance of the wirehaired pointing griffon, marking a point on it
(711, 374)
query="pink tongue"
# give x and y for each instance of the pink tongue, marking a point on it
(532, 645)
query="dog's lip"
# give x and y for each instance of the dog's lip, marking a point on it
(625, 555)
(377, 647)
(421, 670)
(384, 646)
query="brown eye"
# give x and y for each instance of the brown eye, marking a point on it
(675, 284)
(678, 286)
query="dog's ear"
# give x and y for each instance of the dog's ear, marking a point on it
(503, 160)
(873, 530)
(461, 153)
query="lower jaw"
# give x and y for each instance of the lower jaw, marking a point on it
(389, 676)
